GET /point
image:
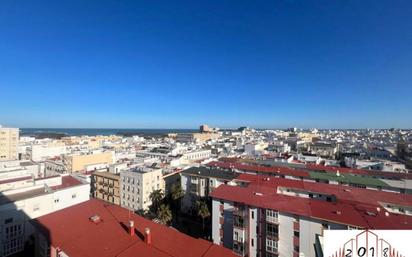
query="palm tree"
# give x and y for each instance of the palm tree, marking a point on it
(202, 211)
(164, 214)
(176, 194)
(156, 197)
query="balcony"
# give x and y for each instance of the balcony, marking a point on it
(239, 211)
(239, 248)
(295, 240)
(272, 236)
(273, 220)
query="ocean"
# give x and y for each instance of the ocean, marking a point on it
(58, 132)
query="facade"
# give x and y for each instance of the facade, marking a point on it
(323, 149)
(9, 138)
(42, 152)
(199, 182)
(88, 162)
(255, 148)
(197, 155)
(196, 137)
(170, 179)
(94, 228)
(29, 201)
(106, 186)
(136, 186)
(264, 216)
(54, 166)
(204, 128)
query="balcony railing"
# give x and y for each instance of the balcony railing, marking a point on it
(272, 235)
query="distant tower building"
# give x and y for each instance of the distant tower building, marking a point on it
(9, 138)
(204, 128)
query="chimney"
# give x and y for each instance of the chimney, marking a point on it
(131, 227)
(147, 236)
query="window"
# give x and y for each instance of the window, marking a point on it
(296, 233)
(253, 215)
(236, 236)
(271, 246)
(56, 200)
(253, 242)
(271, 230)
(9, 220)
(238, 247)
(272, 216)
(238, 221)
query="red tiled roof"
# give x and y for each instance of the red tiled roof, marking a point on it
(71, 231)
(381, 174)
(67, 181)
(260, 169)
(304, 173)
(352, 203)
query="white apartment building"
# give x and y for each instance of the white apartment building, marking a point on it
(255, 148)
(54, 166)
(31, 200)
(271, 217)
(136, 186)
(9, 138)
(9, 169)
(197, 155)
(45, 151)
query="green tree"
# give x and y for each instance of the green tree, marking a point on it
(156, 197)
(164, 214)
(177, 192)
(202, 211)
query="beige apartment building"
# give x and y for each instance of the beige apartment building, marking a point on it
(136, 186)
(9, 139)
(87, 162)
(106, 186)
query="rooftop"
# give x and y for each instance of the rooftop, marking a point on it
(349, 179)
(106, 175)
(210, 172)
(30, 192)
(351, 207)
(355, 176)
(78, 236)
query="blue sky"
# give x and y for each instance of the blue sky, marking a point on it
(177, 64)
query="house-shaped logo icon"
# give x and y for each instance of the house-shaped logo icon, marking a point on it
(366, 244)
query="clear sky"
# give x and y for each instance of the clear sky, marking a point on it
(177, 64)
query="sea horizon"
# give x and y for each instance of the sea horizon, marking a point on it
(100, 131)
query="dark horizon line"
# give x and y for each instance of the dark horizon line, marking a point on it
(220, 128)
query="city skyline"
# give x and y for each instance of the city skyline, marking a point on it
(271, 64)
